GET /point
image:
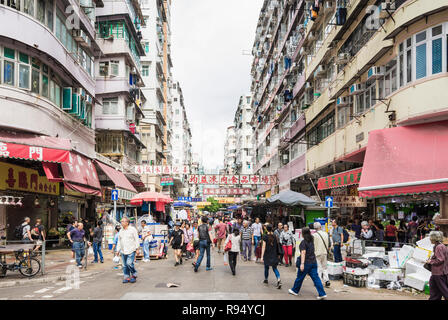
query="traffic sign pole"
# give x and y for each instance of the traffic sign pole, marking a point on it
(115, 209)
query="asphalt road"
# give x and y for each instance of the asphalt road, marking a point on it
(217, 284)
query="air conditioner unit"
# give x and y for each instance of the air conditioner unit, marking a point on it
(308, 86)
(134, 70)
(376, 72)
(89, 99)
(306, 101)
(343, 58)
(357, 88)
(387, 7)
(79, 35)
(311, 36)
(321, 71)
(343, 101)
(328, 6)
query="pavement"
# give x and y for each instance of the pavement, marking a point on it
(103, 282)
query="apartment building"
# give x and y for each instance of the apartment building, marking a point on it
(118, 84)
(230, 151)
(333, 85)
(243, 136)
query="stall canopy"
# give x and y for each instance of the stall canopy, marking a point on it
(80, 175)
(28, 146)
(291, 198)
(116, 176)
(406, 160)
(150, 196)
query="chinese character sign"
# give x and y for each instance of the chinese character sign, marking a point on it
(227, 191)
(160, 170)
(213, 179)
(340, 180)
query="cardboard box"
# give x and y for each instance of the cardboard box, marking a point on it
(159, 228)
(416, 281)
(389, 274)
(334, 268)
(421, 254)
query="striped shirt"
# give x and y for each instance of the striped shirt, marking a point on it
(246, 233)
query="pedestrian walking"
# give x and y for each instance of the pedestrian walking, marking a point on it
(308, 266)
(438, 283)
(338, 240)
(97, 240)
(78, 237)
(257, 228)
(247, 237)
(277, 233)
(128, 245)
(195, 241)
(269, 255)
(412, 230)
(402, 232)
(70, 227)
(188, 240)
(38, 234)
(177, 241)
(321, 250)
(25, 231)
(221, 232)
(287, 241)
(204, 245)
(146, 239)
(235, 239)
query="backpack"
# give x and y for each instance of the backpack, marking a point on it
(346, 235)
(18, 232)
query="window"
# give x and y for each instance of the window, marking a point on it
(344, 115)
(110, 106)
(177, 111)
(104, 68)
(175, 99)
(145, 71)
(114, 68)
(28, 7)
(321, 130)
(40, 14)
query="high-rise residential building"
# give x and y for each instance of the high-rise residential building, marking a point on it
(156, 72)
(118, 77)
(243, 136)
(230, 151)
(335, 83)
(181, 140)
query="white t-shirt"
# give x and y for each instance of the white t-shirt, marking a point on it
(146, 231)
(25, 230)
(257, 229)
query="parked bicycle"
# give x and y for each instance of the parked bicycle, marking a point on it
(24, 262)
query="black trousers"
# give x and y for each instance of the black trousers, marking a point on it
(438, 287)
(232, 260)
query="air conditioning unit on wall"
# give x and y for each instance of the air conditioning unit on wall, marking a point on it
(376, 72)
(357, 88)
(343, 101)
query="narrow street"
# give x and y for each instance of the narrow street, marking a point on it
(217, 284)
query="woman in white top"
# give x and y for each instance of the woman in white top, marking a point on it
(235, 239)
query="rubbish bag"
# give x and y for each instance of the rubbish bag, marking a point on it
(116, 260)
(90, 251)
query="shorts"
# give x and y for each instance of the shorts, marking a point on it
(177, 246)
(39, 242)
(196, 245)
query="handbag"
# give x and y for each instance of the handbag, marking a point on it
(427, 266)
(228, 246)
(190, 247)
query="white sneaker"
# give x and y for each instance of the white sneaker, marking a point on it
(292, 292)
(73, 260)
(321, 297)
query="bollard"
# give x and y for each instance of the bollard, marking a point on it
(42, 261)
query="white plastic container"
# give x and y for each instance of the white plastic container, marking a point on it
(335, 268)
(388, 274)
(416, 281)
(421, 254)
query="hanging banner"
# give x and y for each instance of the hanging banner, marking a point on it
(161, 170)
(340, 180)
(215, 179)
(226, 191)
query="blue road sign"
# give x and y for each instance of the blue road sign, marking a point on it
(328, 202)
(114, 195)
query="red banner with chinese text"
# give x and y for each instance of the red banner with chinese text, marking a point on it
(340, 179)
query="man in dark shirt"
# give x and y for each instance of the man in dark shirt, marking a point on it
(356, 227)
(204, 245)
(38, 234)
(77, 237)
(97, 241)
(177, 240)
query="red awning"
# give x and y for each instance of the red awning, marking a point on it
(406, 160)
(116, 176)
(80, 174)
(51, 171)
(342, 179)
(29, 146)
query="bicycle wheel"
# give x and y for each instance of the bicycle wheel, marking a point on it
(29, 267)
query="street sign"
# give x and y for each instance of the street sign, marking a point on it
(114, 195)
(328, 202)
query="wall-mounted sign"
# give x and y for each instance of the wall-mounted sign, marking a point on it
(23, 179)
(161, 170)
(350, 201)
(216, 179)
(166, 181)
(226, 191)
(339, 180)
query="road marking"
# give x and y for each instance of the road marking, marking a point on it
(43, 290)
(48, 296)
(63, 289)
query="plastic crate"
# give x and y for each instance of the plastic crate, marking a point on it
(354, 280)
(335, 277)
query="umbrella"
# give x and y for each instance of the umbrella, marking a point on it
(182, 204)
(291, 198)
(150, 196)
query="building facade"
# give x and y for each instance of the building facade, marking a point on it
(243, 136)
(326, 77)
(230, 151)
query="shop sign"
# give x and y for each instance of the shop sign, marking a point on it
(23, 179)
(216, 179)
(125, 194)
(339, 180)
(226, 200)
(350, 201)
(226, 191)
(166, 181)
(161, 170)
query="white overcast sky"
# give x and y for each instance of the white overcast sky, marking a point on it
(207, 42)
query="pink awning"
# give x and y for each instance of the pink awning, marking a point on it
(80, 171)
(116, 176)
(150, 196)
(29, 146)
(406, 160)
(52, 171)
